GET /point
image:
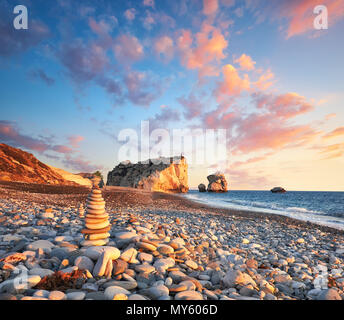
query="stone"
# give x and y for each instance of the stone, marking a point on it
(146, 246)
(165, 249)
(236, 277)
(98, 295)
(41, 293)
(217, 183)
(111, 291)
(129, 255)
(77, 295)
(128, 285)
(7, 296)
(84, 263)
(119, 266)
(191, 264)
(95, 252)
(19, 284)
(329, 294)
(145, 257)
(144, 268)
(188, 295)
(202, 188)
(40, 272)
(57, 295)
(163, 264)
(41, 244)
(157, 292)
(136, 297)
(163, 174)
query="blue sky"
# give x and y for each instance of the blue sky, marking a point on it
(81, 73)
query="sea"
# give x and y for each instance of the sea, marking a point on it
(320, 207)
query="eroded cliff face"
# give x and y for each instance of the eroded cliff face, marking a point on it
(163, 174)
(18, 165)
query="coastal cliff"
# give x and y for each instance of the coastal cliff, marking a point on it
(166, 175)
(20, 166)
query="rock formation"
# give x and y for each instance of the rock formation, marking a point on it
(96, 220)
(163, 174)
(20, 166)
(278, 190)
(202, 188)
(217, 183)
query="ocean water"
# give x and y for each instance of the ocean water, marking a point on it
(325, 208)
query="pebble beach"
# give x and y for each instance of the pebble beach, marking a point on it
(162, 247)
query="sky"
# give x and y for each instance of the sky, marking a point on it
(84, 74)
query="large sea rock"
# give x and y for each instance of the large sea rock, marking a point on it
(217, 183)
(278, 190)
(163, 174)
(202, 188)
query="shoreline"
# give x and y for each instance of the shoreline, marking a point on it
(153, 198)
(255, 214)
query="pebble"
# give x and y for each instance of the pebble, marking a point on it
(188, 295)
(57, 295)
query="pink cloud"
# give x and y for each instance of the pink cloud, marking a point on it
(265, 81)
(246, 63)
(142, 87)
(301, 14)
(193, 106)
(335, 133)
(232, 84)
(10, 134)
(283, 106)
(130, 14)
(128, 49)
(207, 52)
(74, 140)
(102, 27)
(210, 6)
(164, 46)
(148, 3)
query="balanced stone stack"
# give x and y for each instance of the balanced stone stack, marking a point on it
(96, 220)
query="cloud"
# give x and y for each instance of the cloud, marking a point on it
(127, 49)
(332, 151)
(193, 106)
(283, 106)
(232, 84)
(335, 133)
(40, 74)
(205, 53)
(10, 134)
(164, 46)
(142, 87)
(103, 27)
(79, 164)
(210, 7)
(265, 81)
(83, 63)
(148, 3)
(161, 119)
(130, 14)
(246, 63)
(74, 140)
(297, 15)
(14, 41)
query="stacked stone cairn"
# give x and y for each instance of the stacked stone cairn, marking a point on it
(97, 224)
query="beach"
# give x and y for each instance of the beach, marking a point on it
(165, 246)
